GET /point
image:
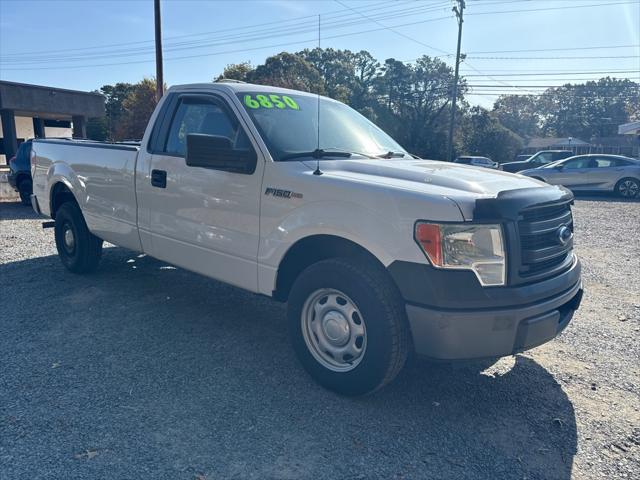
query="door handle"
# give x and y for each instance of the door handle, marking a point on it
(159, 178)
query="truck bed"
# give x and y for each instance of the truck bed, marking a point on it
(100, 175)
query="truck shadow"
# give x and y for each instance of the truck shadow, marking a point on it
(159, 368)
(14, 210)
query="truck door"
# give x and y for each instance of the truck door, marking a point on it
(203, 219)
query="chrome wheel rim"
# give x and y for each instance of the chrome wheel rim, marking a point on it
(69, 238)
(629, 188)
(333, 329)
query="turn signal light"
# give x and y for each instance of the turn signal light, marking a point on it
(430, 239)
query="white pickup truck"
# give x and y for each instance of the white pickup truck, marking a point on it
(300, 198)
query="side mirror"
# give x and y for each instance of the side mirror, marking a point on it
(217, 152)
(559, 167)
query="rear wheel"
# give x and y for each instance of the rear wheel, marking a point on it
(348, 325)
(628, 188)
(78, 248)
(25, 188)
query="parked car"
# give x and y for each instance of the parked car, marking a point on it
(377, 252)
(476, 161)
(541, 158)
(598, 172)
(20, 172)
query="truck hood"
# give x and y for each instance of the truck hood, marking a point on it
(461, 183)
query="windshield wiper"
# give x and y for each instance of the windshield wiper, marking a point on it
(320, 153)
(391, 154)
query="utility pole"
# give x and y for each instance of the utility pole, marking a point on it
(159, 79)
(458, 9)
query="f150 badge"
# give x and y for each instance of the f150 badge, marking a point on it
(276, 192)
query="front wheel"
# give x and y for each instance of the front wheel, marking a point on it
(79, 250)
(348, 325)
(628, 188)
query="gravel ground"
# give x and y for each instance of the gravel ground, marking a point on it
(146, 371)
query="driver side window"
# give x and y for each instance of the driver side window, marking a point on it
(543, 159)
(201, 116)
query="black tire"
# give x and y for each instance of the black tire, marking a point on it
(81, 252)
(25, 188)
(626, 187)
(388, 339)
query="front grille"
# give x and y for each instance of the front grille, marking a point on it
(544, 213)
(540, 247)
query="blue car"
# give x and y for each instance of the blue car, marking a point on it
(20, 172)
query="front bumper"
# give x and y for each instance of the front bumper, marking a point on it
(493, 329)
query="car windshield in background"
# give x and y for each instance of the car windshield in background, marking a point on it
(289, 126)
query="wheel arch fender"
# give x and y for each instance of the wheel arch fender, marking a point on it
(312, 249)
(63, 181)
(60, 192)
(331, 229)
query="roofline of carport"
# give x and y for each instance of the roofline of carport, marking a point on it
(39, 100)
(44, 87)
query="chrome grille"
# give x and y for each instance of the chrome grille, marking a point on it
(541, 249)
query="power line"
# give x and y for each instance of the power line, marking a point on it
(560, 71)
(241, 50)
(545, 9)
(603, 72)
(502, 94)
(230, 40)
(601, 47)
(484, 85)
(295, 20)
(250, 34)
(391, 29)
(553, 58)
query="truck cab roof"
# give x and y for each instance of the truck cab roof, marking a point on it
(236, 87)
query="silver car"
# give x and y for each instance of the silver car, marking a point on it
(476, 161)
(597, 172)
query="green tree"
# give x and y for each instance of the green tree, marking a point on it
(288, 70)
(519, 113)
(483, 134)
(366, 70)
(114, 109)
(336, 68)
(98, 128)
(594, 108)
(412, 101)
(138, 107)
(236, 71)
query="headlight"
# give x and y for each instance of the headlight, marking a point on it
(479, 248)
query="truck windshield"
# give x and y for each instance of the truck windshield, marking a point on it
(288, 125)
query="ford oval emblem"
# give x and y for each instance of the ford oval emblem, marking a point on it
(564, 235)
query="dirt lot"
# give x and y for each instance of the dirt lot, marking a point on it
(146, 371)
